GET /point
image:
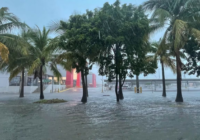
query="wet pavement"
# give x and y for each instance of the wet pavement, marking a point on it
(146, 116)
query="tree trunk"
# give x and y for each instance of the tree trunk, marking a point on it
(21, 94)
(84, 97)
(116, 90)
(86, 85)
(179, 97)
(163, 80)
(117, 72)
(137, 84)
(41, 84)
(121, 96)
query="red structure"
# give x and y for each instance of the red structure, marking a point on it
(78, 80)
(69, 79)
(94, 80)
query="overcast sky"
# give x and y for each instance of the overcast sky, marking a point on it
(44, 12)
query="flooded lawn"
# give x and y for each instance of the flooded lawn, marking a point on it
(145, 116)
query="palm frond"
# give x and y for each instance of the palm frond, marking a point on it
(195, 33)
(11, 25)
(14, 73)
(168, 62)
(34, 66)
(179, 32)
(152, 4)
(4, 52)
(55, 71)
(161, 15)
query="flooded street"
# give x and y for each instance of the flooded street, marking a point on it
(146, 116)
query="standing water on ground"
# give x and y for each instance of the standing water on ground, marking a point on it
(146, 116)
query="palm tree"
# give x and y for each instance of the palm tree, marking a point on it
(177, 14)
(41, 55)
(8, 21)
(164, 56)
(16, 64)
(17, 60)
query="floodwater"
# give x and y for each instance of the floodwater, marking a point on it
(144, 116)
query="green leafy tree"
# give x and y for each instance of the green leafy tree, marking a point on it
(178, 14)
(78, 44)
(143, 63)
(138, 57)
(193, 57)
(122, 28)
(191, 49)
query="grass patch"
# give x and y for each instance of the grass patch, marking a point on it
(52, 101)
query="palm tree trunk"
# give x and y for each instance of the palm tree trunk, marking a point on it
(163, 80)
(86, 85)
(41, 84)
(121, 96)
(21, 94)
(179, 97)
(137, 84)
(84, 97)
(116, 90)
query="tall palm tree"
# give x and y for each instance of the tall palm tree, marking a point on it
(16, 64)
(42, 55)
(177, 14)
(17, 60)
(8, 21)
(164, 56)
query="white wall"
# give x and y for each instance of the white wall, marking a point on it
(4, 80)
(55, 87)
(15, 89)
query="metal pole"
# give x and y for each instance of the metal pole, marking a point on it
(102, 84)
(52, 83)
(59, 85)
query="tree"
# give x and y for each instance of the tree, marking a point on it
(193, 57)
(41, 55)
(78, 44)
(176, 13)
(191, 49)
(143, 63)
(122, 28)
(8, 21)
(164, 56)
(17, 60)
(8, 42)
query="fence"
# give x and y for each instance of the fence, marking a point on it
(156, 84)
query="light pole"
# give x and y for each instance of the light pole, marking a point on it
(102, 84)
(52, 80)
(59, 85)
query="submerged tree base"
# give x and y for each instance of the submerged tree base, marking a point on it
(179, 100)
(84, 100)
(52, 101)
